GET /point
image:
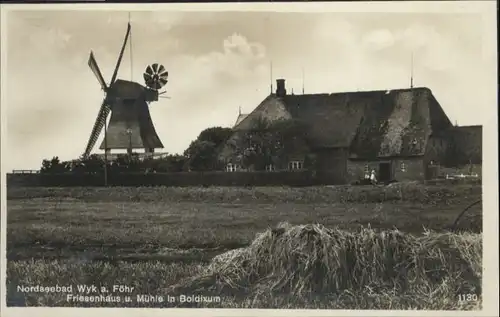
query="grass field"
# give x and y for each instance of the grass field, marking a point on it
(154, 238)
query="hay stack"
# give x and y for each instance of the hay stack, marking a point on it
(312, 259)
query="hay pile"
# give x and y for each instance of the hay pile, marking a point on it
(312, 259)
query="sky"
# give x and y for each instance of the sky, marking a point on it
(219, 61)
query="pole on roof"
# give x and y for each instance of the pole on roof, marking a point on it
(411, 73)
(271, 75)
(130, 47)
(268, 28)
(303, 79)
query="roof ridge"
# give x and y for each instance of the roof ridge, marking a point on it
(468, 126)
(260, 105)
(360, 91)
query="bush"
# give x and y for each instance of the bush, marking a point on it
(54, 166)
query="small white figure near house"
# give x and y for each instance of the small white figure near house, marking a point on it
(367, 172)
(373, 177)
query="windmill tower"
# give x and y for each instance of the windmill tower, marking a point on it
(130, 125)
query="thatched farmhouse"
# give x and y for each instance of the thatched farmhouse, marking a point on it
(402, 134)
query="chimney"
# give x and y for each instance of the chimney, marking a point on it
(280, 88)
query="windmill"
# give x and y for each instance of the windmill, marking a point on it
(130, 125)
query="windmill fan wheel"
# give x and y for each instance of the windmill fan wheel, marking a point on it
(155, 76)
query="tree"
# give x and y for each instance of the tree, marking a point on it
(54, 166)
(175, 163)
(216, 135)
(202, 153)
(270, 142)
(93, 164)
(170, 163)
(127, 163)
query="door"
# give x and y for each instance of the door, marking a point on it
(384, 172)
(431, 171)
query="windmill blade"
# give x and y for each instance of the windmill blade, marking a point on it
(120, 56)
(155, 67)
(150, 82)
(97, 72)
(98, 125)
(165, 75)
(163, 81)
(147, 77)
(155, 76)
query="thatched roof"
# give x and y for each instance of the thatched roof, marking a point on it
(371, 123)
(467, 142)
(240, 118)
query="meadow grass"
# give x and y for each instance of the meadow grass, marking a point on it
(149, 277)
(157, 237)
(306, 266)
(409, 192)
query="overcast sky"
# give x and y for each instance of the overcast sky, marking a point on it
(219, 61)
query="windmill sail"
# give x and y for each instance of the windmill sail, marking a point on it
(95, 69)
(121, 55)
(105, 109)
(98, 125)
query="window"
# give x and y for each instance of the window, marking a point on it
(270, 168)
(403, 167)
(233, 167)
(295, 165)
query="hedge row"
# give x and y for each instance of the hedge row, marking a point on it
(180, 179)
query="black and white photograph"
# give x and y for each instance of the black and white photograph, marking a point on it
(274, 156)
